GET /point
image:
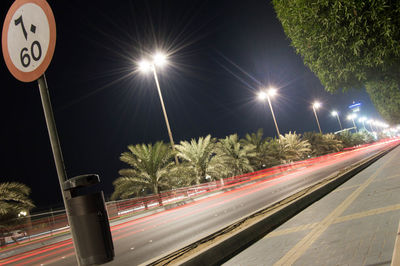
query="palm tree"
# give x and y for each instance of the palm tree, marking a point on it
(235, 155)
(200, 156)
(150, 165)
(293, 148)
(182, 175)
(346, 139)
(265, 151)
(351, 139)
(14, 197)
(255, 139)
(323, 143)
(125, 188)
(333, 144)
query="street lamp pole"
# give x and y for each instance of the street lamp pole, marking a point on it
(334, 113)
(262, 95)
(352, 116)
(362, 119)
(145, 66)
(164, 112)
(354, 124)
(317, 105)
(273, 116)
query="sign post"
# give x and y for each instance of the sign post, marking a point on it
(28, 42)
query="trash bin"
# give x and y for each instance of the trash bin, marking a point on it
(89, 217)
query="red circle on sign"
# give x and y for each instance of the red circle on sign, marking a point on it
(38, 71)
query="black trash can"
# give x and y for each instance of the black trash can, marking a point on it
(88, 214)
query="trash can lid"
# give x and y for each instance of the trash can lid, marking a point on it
(81, 181)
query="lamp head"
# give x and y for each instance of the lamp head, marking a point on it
(262, 95)
(272, 92)
(316, 105)
(144, 66)
(159, 59)
(351, 116)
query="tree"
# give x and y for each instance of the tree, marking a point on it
(265, 151)
(125, 188)
(384, 95)
(235, 156)
(14, 197)
(150, 166)
(346, 138)
(368, 136)
(293, 148)
(349, 139)
(199, 155)
(349, 44)
(322, 143)
(182, 175)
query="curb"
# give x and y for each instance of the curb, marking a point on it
(226, 247)
(396, 250)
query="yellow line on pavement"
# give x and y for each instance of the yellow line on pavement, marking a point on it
(354, 216)
(345, 188)
(294, 254)
(393, 176)
(367, 213)
(291, 230)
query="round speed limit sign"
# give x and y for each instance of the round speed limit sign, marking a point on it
(28, 39)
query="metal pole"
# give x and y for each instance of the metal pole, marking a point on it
(165, 113)
(354, 124)
(340, 124)
(56, 148)
(316, 117)
(273, 116)
(370, 126)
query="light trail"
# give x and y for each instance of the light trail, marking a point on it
(258, 181)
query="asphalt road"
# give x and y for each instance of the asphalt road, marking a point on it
(143, 239)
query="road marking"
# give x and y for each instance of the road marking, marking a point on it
(294, 254)
(345, 188)
(291, 230)
(354, 216)
(393, 176)
(367, 213)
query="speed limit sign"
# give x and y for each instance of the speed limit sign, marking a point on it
(28, 39)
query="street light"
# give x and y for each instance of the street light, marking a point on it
(335, 113)
(370, 123)
(22, 213)
(362, 120)
(351, 117)
(315, 106)
(266, 95)
(159, 60)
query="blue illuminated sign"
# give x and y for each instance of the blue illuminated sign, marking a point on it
(355, 105)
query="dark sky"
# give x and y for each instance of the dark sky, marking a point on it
(220, 52)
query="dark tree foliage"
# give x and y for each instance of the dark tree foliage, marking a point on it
(349, 44)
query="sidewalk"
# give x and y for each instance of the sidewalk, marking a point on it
(356, 224)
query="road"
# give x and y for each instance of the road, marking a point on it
(140, 240)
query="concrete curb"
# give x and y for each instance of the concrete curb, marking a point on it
(396, 250)
(225, 248)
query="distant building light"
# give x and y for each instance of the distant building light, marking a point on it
(355, 107)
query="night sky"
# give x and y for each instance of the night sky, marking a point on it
(221, 52)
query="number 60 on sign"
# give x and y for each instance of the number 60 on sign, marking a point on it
(28, 39)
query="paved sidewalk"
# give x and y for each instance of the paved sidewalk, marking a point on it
(356, 224)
